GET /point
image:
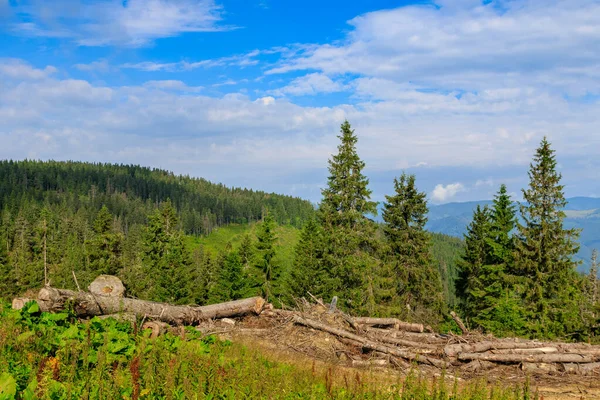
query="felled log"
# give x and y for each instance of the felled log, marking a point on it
(529, 358)
(391, 322)
(459, 322)
(369, 363)
(452, 350)
(431, 338)
(582, 369)
(406, 343)
(88, 304)
(539, 368)
(369, 344)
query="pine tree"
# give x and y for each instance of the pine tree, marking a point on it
(231, 283)
(266, 239)
(106, 247)
(469, 286)
(418, 283)
(309, 274)
(166, 260)
(348, 233)
(544, 250)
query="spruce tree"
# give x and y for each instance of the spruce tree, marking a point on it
(309, 273)
(231, 283)
(418, 283)
(105, 249)
(469, 286)
(246, 250)
(348, 232)
(166, 260)
(544, 251)
(265, 245)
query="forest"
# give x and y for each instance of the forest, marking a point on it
(171, 238)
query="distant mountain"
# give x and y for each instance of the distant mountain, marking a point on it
(582, 212)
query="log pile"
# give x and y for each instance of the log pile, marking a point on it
(320, 331)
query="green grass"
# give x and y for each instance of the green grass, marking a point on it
(216, 242)
(52, 356)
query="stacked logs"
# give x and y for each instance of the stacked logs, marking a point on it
(400, 342)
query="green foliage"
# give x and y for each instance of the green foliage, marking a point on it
(51, 356)
(349, 235)
(233, 282)
(417, 280)
(544, 252)
(265, 245)
(166, 257)
(106, 247)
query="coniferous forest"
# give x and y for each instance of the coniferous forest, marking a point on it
(509, 276)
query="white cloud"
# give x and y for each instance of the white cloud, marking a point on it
(18, 69)
(443, 193)
(112, 22)
(310, 84)
(174, 85)
(239, 60)
(99, 66)
(469, 46)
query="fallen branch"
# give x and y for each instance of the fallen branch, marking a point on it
(459, 322)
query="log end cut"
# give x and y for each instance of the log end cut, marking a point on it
(107, 285)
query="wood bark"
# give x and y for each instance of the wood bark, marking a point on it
(529, 358)
(88, 305)
(369, 344)
(459, 322)
(452, 350)
(391, 322)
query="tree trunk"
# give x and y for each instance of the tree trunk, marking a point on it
(459, 322)
(392, 322)
(529, 358)
(88, 305)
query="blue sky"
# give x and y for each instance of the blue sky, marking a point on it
(252, 93)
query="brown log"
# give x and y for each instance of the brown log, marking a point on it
(87, 305)
(459, 322)
(369, 344)
(405, 343)
(391, 322)
(529, 358)
(431, 338)
(539, 368)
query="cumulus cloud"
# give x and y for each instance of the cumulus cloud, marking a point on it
(19, 69)
(171, 84)
(112, 22)
(443, 193)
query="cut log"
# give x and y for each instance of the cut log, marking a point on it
(582, 369)
(87, 305)
(536, 350)
(369, 363)
(452, 350)
(431, 338)
(390, 322)
(478, 366)
(107, 285)
(19, 302)
(406, 343)
(530, 358)
(369, 344)
(539, 368)
(459, 322)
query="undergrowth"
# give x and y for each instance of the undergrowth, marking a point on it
(53, 356)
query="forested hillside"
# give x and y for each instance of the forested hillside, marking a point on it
(131, 192)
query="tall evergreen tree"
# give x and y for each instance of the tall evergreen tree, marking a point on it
(544, 251)
(348, 232)
(469, 286)
(165, 257)
(418, 283)
(232, 281)
(266, 239)
(309, 273)
(106, 247)
(246, 250)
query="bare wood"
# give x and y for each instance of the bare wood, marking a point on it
(582, 369)
(412, 336)
(75, 279)
(369, 363)
(391, 322)
(19, 302)
(88, 304)
(106, 285)
(531, 358)
(405, 343)
(459, 322)
(452, 350)
(369, 344)
(536, 350)
(539, 368)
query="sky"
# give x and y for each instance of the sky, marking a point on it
(251, 93)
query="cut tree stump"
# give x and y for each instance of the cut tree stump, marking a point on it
(107, 285)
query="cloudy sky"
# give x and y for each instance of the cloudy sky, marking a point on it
(252, 92)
